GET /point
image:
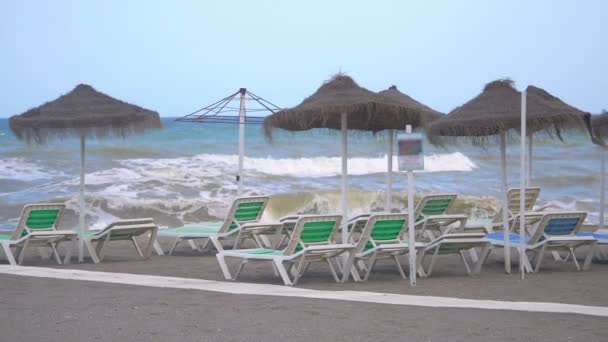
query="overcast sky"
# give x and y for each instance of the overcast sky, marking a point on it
(177, 56)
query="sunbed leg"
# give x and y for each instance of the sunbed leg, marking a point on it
(347, 268)
(370, 265)
(263, 241)
(558, 257)
(22, 253)
(282, 272)
(9, 254)
(527, 264)
(464, 261)
(399, 267)
(68, 253)
(419, 261)
(571, 252)
(158, 248)
(193, 245)
(485, 251)
(333, 271)
(432, 265)
(473, 254)
(240, 268)
(222, 261)
(92, 252)
(589, 257)
(216, 243)
(141, 255)
(150, 245)
(299, 269)
(100, 245)
(354, 272)
(55, 254)
(238, 239)
(205, 245)
(540, 257)
(177, 240)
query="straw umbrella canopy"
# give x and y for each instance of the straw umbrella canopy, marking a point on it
(340, 103)
(427, 115)
(86, 113)
(497, 111)
(599, 124)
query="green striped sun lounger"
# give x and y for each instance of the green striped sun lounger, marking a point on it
(380, 239)
(121, 230)
(241, 223)
(37, 228)
(312, 240)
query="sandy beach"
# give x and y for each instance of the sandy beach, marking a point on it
(72, 310)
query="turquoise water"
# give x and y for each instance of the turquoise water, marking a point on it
(172, 173)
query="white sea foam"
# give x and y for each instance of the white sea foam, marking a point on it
(212, 164)
(20, 169)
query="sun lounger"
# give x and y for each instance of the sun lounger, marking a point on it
(37, 227)
(554, 232)
(513, 194)
(121, 230)
(380, 239)
(312, 240)
(241, 223)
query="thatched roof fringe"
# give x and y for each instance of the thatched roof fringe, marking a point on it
(83, 110)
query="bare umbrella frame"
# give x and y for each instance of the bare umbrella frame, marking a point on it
(221, 112)
(85, 113)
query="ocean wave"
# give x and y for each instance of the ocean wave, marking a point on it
(21, 169)
(312, 167)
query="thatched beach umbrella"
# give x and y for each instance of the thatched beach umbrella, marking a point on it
(495, 112)
(599, 123)
(86, 113)
(341, 103)
(427, 115)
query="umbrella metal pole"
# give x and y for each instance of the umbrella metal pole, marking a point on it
(389, 175)
(239, 177)
(410, 221)
(344, 179)
(81, 202)
(602, 187)
(529, 160)
(505, 204)
(524, 178)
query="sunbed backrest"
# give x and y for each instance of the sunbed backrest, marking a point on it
(44, 216)
(382, 229)
(244, 210)
(513, 194)
(437, 204)
(556, 224)
(122, 229)
(313, 230)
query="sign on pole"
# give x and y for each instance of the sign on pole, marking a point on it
(411, 156)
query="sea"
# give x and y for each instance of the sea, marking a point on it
(186, 172)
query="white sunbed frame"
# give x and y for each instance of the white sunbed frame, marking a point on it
(298, 262)
(254, 230)
(122, 230)
(47, 237)
(540, 242)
